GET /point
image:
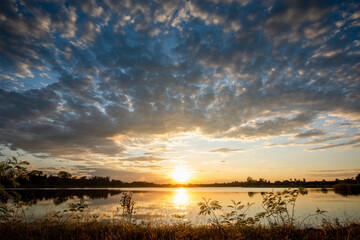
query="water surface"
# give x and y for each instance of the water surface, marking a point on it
(174, 205)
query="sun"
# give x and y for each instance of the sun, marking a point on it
(181, 174)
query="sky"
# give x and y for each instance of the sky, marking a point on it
(225, 89)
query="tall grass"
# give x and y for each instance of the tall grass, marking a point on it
(123, 230)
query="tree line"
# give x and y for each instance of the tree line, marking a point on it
(63, 179)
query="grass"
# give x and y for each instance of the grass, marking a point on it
(123, 230)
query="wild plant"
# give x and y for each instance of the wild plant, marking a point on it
(279, 208)
(12, 169)
(127, 205)
(238, 214)
(6, 212)
(208, 207)
(73, 212)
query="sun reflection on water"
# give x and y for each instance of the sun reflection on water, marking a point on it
(181, 198)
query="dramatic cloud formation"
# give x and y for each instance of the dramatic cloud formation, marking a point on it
(108, 82)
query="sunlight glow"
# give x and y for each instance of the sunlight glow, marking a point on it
(181, 198)
(181, 174)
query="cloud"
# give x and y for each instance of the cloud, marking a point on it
(347, 143)
(149, 159)
(334, 170)
(272, 127)
(310, 133)
(119, 174)
(225, 69)
(226, 150)
(347, 140)
(339, 173)
(355, 146)
(162, 148)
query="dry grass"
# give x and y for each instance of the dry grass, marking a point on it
(101, 230)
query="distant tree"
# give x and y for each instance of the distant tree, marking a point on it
(63, 174)
(36, 173)
(250, 179)
(358, 177)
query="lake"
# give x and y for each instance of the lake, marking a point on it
(176, 205)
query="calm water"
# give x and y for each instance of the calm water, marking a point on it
(173, 205)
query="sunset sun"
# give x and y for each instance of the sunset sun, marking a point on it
(181, 174)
